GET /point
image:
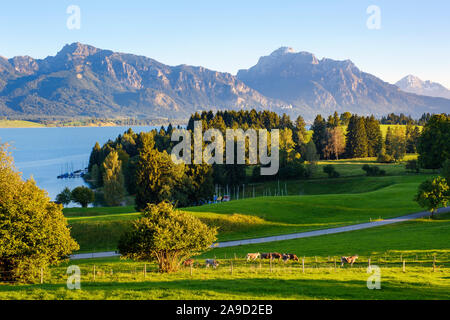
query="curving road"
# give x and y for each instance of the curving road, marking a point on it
(287, 236)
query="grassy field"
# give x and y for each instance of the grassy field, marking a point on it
(19, 124)
(313, 204)
(355, 200)
(416, 242)
(421, 238)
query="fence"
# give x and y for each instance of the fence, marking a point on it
(236, 265)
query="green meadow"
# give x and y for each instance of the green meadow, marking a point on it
(414, 256)
(349, 200)
(421, 244)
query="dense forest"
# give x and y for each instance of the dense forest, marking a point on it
(141, 165)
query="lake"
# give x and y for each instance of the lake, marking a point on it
(45, 153)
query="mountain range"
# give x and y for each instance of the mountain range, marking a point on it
(82, 80)
(415, 85)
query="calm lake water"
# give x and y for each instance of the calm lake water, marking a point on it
(45, 153)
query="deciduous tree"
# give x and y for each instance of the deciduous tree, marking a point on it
(167, 236)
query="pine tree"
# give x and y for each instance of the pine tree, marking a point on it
(320, 134)
(157, 177)
(374, 136)
(113, 180)
(356, 142)
(389, 141)
(95, 157)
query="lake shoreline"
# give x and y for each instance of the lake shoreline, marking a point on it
(41, 126)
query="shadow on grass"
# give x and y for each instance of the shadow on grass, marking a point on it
(257, 288)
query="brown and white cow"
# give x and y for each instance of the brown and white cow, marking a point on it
(351, 260)
(188, 262)
(293, 257)
(276, 255)
(266, 255)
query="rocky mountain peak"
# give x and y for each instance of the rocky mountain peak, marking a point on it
(78, 49)
(282, 51)
(414, 84)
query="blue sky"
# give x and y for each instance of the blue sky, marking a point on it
(230, 35)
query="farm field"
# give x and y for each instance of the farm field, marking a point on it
(19, 124)
(99, 229)
(416, 242)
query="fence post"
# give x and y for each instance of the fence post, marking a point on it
(404, 265)
(145, 270)
(434, 263)
(270, 264)
(368, 263)
(231, 267)
(303, 264)
(42, 276)
(190, 267)
(335, 263)
(94, 272)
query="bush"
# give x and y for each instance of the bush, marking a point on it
(331, 171)
(33, 230)
(65, 197)
(83, 196)
(373, 171)
(311, 169)
(167, 236)
(293, 170)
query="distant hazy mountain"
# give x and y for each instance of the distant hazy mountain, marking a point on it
(413, 84)
(82, 80)
(311, 85)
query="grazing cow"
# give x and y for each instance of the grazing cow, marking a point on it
(285, 257)
(266, 255)
(351, 260)
(188, 262)
(293, 257)
(253, 256)
(276, 255)
(211, 262)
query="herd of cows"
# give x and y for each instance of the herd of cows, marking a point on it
(272, 256)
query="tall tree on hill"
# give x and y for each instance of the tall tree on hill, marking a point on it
(412, 138)
(310, 152)
(95, 157)
(334, 120)
(374, 136)
(157, 176)
(397, 144)
(299, 133)
(286, 122)
(434, 146)
(335, 143)
(320, 134)
(356, 139)
(113, 179)
(388, 141)
(345, 118)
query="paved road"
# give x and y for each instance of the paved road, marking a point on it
(288, 236)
